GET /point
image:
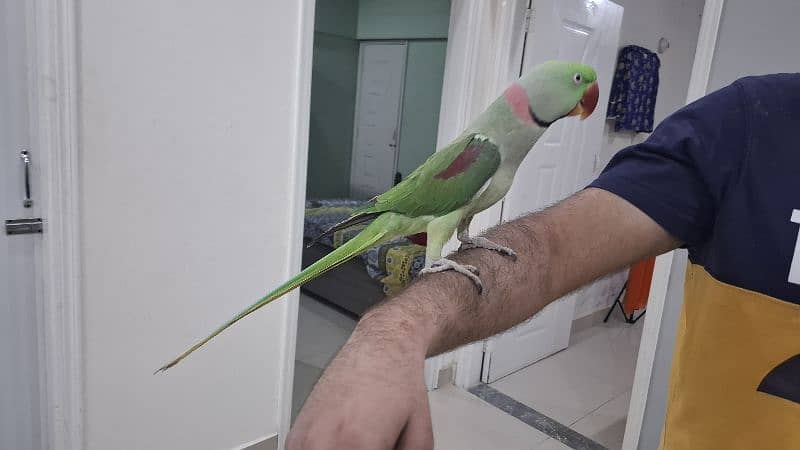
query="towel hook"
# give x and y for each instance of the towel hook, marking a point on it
(663, 44)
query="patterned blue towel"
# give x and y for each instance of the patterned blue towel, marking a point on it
(633, 92)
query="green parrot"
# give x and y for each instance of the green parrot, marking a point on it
(464, 178)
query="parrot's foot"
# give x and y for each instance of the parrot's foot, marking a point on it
(468, 271)
(481, 242)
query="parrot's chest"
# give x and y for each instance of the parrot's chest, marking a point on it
(494, 190)
(514, 145)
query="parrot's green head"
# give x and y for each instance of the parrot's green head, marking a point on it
(553, 90)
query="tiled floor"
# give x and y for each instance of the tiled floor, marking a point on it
(321, 332)
(586, 387)
(462, 421)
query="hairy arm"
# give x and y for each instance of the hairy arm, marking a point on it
(377, 376)
(560, 249)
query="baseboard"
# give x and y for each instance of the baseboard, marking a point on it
(267, 443)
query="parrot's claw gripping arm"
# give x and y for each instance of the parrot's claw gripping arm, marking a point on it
(468, 271)
(481, 242)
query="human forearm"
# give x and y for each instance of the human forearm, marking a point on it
(377, 377)
(559, 250)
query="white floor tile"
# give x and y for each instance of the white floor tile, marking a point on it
(606, 425)
(305, 377)
(597, 367)
(552, 444)
(462, 421)
(321, 332)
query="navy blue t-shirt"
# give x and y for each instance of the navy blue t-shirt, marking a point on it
(723, 176)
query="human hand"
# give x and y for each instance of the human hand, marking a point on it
(371, 396)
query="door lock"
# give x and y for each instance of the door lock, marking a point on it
(24, 226)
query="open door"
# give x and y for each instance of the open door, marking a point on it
(379, 105)
(562, 162)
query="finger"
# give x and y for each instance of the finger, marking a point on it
(418, 432)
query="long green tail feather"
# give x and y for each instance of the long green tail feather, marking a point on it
(340, 255)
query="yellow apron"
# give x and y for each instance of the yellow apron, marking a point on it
(733, 347)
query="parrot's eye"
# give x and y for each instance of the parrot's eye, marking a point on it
(577, 78)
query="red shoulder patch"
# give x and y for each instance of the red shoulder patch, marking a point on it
(517, 100)
(419, 239)
(462, 162)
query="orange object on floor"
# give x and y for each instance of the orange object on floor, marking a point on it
(639, 279)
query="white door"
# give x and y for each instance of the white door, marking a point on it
(19, 351)
(562, 162)
(382, 68)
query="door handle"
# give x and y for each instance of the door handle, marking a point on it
(25, 226)
(27, 202)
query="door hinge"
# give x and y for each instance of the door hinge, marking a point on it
(528, 15)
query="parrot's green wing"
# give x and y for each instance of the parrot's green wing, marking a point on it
(446, 181)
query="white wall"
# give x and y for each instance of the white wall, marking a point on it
(643, 23)
(187, 168)
(754, 39)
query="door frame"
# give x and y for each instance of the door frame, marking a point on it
(667, 275)
(301, 112)
(53, 79)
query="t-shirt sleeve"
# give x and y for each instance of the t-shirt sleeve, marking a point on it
(680, 174)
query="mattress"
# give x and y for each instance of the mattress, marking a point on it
(393, 264)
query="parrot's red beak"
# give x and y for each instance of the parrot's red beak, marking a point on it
(588, 102)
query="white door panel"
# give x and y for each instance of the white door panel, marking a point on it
(19, 351)
(562, 162)
(382, 68)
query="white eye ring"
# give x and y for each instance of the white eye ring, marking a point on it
(577, 78)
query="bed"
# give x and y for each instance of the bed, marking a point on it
(364, 281)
